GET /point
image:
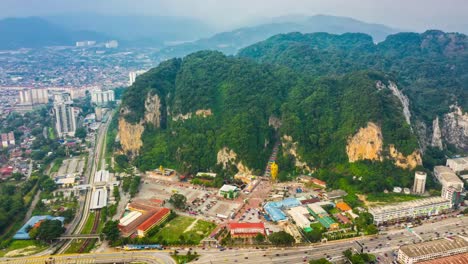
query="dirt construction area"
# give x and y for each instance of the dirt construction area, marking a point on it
(201, 201)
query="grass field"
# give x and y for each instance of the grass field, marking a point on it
(23, 248)
(51, 133)
(56, 166)
(89, 224)
(183, 226)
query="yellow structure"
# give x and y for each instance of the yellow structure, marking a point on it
(161, 168)
(274, 171)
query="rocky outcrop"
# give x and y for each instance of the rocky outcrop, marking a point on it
(130, 137)
(455, 128)
(153, 110)
(199, 112)
(228, 157)
(405, 162)
(436, 134)
(203, 112)
(403, 100)
(367, 144)
(401, 97)
(274, 122)
(289, 146)
(422, 134)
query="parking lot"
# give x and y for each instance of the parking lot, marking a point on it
(200, 200)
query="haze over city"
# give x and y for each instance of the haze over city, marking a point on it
(414, 15)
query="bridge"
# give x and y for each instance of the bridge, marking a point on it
(79, 236)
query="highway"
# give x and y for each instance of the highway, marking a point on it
(378, 245)
(82, 216)
(150, 257)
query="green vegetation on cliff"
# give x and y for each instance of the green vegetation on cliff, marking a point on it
(430, 67)
(320, 89)
(319, 113)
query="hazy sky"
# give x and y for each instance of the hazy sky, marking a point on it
(405, 14)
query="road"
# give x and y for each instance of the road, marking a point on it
(81, 217)
(150, 257)
(334, 249)
(32, 206)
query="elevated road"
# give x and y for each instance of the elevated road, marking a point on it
(382, 246)
(117, 257)
(78, 236)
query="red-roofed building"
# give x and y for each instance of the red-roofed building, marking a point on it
(343, 219)
(246, 229)
(6, 172)
(310, 201)
(156, 219)
(319, 182)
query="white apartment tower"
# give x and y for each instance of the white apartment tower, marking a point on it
(65, 120)
(419, 185)
(100, 97)
(132, 76)
(33, 96)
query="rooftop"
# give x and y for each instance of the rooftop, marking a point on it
(435, 246)
(228, 188)
(455, 259)
(460, 161)
(154, 219)
(336, 194)
(23, 231)
(343, 206)
(408, 204)
(236, 225)
(99, 198)
(447, 174)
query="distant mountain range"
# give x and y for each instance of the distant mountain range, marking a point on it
(166, 32)
(137, 30)
(232, 41)
(35, 32)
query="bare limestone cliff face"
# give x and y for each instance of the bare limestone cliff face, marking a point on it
(203, 112)
(153, 110)
(455, 128)
(436, 134)
(405, 162)
(274, 122)
(403, 100)
(367, 144)
(401, 97)
(199, 112)
(130, 136)
(289, 146)
(226, 157)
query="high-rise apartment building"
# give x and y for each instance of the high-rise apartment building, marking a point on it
(132, 76)
(33, 96)
(419, 185)
(65, 120)
(100, 97)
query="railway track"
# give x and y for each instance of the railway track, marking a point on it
(97, 218)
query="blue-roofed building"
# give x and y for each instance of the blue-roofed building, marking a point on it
(274, 209)
(23, 232)
(274, 212)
